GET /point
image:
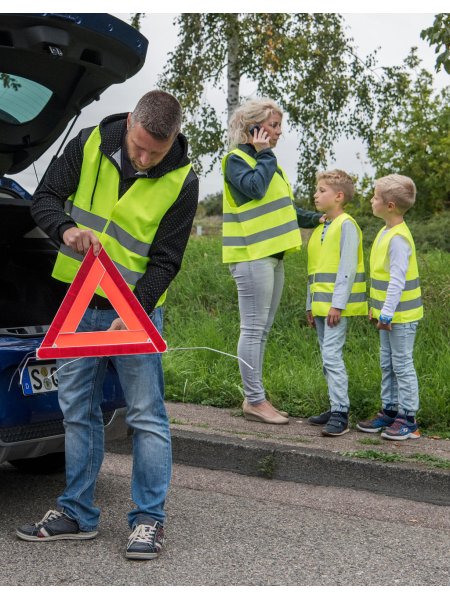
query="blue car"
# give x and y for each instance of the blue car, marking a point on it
(52, 65)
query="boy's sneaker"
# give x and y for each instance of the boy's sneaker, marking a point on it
(321, 419)
(337, 424)
(376, 424)
(54, 526)
(401, 429)
(145, 542)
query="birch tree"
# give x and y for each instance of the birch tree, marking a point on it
(306, 62)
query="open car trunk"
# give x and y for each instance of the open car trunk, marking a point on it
(29, 295)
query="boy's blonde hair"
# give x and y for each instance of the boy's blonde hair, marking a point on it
(339, 181)
(252, 112)
(398, 189)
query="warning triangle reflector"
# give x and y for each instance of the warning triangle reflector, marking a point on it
(62, 340)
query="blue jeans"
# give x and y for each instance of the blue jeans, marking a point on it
(80, 396)
(331, 342)
(399, 387)
(259, 285)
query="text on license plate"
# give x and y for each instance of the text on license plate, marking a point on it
(40, 378)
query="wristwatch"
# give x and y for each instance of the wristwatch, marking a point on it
(384, 319)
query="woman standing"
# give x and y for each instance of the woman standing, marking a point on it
(260, 225)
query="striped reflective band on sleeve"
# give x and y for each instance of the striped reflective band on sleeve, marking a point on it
(258, 211)
(380, 284)
(261, 236)
(401, 306)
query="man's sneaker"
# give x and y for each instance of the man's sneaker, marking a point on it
(337, 424)
(376, 424)
(321, 419)
(54, 526)
(401, 429)
(146, 541)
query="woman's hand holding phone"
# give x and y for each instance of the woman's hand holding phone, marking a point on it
(261, 139)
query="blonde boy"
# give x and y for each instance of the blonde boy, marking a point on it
(396, 304)
(336, 290)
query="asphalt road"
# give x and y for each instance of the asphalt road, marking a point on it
(228, 529)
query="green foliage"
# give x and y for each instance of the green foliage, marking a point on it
(212, 204)
(202, 310)
(135, 20)
(306, 62)
(413, 138)
(439, 35)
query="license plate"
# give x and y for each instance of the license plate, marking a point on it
(39, 378)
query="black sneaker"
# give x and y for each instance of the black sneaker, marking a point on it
(146, 541)
(54, 526)
(321, 419)
(337, 424)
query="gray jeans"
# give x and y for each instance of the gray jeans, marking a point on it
(331, 342)
(259, 285)
(399, 387)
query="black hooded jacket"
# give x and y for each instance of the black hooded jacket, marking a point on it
(168, 246)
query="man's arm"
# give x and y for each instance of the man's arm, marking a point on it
(167, 249)
(60, 181)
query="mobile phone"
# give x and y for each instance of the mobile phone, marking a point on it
(254, 129)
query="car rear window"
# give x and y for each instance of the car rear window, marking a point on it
(21, 99)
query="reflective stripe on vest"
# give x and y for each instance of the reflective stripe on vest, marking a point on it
(410, 306)
(259, 228)
(125, 226)
(323, 265)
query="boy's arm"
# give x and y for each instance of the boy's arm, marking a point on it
(309, 315)
(307, 219)
(399, 253)
(348, 265)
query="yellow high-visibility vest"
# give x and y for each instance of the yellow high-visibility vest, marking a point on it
(259, 228)
(125, 226)
(410, 306)
(323, 264)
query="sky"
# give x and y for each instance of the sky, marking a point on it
(392, 32)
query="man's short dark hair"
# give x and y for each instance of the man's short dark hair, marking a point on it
(159, 113)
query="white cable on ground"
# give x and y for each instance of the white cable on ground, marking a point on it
(29, 356)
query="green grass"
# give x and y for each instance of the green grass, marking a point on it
(202, 310)
(387, 457)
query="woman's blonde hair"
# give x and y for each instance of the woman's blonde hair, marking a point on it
(252, 112)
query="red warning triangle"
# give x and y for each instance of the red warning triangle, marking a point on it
(61, 339)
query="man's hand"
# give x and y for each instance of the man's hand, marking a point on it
(80, 240)
(117, 325)
(334, 316)
(310, 319)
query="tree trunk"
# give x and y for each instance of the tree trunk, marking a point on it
(233, 70)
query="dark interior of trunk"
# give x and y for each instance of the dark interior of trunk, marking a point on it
(29, 296)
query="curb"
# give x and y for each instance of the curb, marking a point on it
(303, 465)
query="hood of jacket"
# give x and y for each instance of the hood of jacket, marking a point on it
(113, 130)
